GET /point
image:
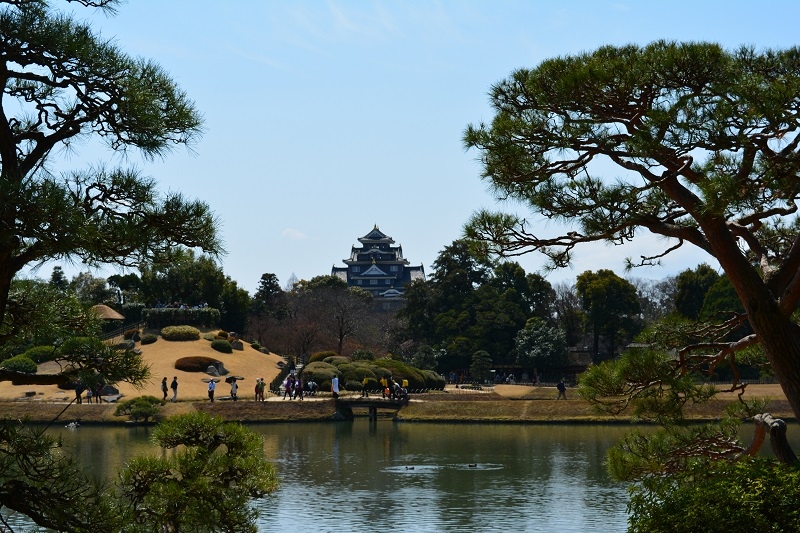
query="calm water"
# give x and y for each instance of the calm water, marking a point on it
(382, 476)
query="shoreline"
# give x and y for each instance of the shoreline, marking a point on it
(434, 408)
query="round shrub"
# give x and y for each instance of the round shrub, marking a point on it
(381, 372)
(348, 372)
(180, 333)
(372, 384)
(196, 363)
(254, 345)
(149, 338)
(141, 408)
(433, 380)
(352, 386)
(321, 373)
(128, 335)
(40, 354)
(401, 371)
(320, 356)
(222, 334)
(222, 346)
(337, 360)
(19, 363)
(364, 371)
(362, 355)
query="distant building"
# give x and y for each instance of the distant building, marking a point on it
(378, 267)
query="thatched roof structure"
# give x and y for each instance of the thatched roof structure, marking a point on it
(104, 312)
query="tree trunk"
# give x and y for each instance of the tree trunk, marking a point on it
(780, 338)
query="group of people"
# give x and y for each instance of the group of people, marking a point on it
(259, 389)
(93, 394)
(173, 386)
(394, 390)
(293, 387)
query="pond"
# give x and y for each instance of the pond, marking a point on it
(383, 476)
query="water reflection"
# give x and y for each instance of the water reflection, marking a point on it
(416, 477)
(434, 477)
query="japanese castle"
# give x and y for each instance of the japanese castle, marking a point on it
(378, 267)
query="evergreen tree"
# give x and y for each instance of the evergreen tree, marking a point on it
(62, 83)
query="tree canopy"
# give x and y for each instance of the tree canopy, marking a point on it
(468, 305)
(62, 83)
(704, 143)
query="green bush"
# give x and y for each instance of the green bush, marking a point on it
(149, 338)
(141, 408)
(254, 345)
(196, 363)
(320, 356)
(752, 494)
(433, 380)
(128, 335)
(372, 384)
(222, 334)
(362, 355)
(221, 345)
(348, 371)
(41, 354)
(352, 386)
(19, 363)
(133, 312)
(336, 360)
(321, 373)
(170, 316)
(401, 371)
(209, 336)
(180, 333)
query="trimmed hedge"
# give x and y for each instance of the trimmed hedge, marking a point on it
(336, 360)
(19, 363)
(180, 333)
(141, 408)
(149, 338)
(320, 372)
(221, 345)
(170, 316)
(320, 356)
(197, 363)
(401, 371)
(433, 380)
(40, 354)
(362, 355)
(352, 386)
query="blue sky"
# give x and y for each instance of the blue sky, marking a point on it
(325, 118)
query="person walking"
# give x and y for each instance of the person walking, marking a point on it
(174, 387)
(234, 390)
(164, 388)
(298, 387)
(212, 386)
(562, 390)
(288, 386)
(335, 387)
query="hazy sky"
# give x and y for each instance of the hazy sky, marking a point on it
(324, 119)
